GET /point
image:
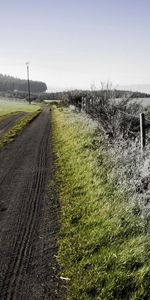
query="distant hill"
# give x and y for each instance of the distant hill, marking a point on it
(143, 88)
(11, 84)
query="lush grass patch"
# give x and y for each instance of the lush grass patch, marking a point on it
(9, 106)
(17, 128)
(103, 248)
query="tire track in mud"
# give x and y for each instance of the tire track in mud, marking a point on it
(25, 230)
(7, 123)
(22, 193)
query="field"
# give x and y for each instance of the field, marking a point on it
(144, 101)
(14, 116)
(10, 106)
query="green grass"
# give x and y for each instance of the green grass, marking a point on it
(103, 248)
(9, 106)
(6, 116)
(17, 128)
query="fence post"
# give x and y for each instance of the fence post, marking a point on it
(83, 104)
(142, 131)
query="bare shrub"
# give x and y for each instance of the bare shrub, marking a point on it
(117, 116)
(115, 110)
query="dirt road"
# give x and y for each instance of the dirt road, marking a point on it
(29, 217)
(7, 123)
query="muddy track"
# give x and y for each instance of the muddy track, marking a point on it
(7, 123)
(28, 217)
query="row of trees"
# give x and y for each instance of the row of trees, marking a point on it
(9, 83)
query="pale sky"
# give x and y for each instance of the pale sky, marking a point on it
(73, 44)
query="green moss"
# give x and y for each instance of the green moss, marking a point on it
(17, 128)
(102, 246)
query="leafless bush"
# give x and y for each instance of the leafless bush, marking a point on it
(116, 111)
(116, 116)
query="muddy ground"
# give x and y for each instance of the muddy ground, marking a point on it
(29, 213)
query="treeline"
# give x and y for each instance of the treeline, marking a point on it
(53, 96)
(77, 95)
(11, 84)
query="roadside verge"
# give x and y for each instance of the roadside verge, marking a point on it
(104, 251)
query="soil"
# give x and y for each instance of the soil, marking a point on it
(7, 123)
(29, 217)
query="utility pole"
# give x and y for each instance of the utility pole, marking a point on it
(28, 80)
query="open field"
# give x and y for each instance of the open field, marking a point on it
(144, 101)
(10, 106)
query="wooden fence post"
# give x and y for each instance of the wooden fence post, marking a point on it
(142, 131)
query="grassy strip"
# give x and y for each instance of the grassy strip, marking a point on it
(8, 115)
(103, 248)
(17, 128)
